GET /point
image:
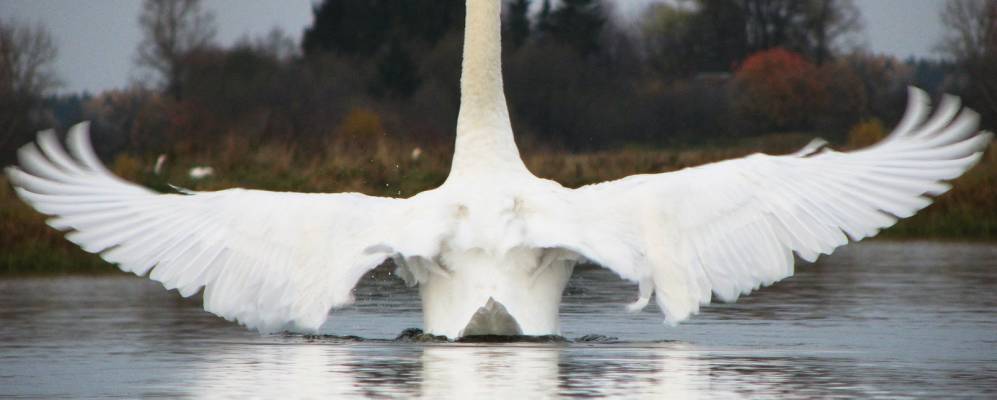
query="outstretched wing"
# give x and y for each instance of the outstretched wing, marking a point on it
(729, 227)
(269, 260)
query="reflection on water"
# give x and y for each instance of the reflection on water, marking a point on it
(473, 372)
(878, 319)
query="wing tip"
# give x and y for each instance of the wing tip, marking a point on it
(15, 176)
(79, 132)
(916, 93)
(8, 170)
(988, 138)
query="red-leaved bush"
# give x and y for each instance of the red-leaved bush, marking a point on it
(778, 89)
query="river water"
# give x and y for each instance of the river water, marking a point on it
(878, 319)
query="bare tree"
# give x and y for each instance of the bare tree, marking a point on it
(827, 22)
(971, 41)
(26, 75)
(276, 43)
(812, 26)
(774, 23)
(171, 30)
(26, 57)
(972, 28)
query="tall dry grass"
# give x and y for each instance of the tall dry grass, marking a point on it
(28, 246)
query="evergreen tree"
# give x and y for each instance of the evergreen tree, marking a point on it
(389, 32)
(396, 73)
(347, 27)
(365, 27)
(543, 19)
(517, 23)
(578, 23)
(719, 35)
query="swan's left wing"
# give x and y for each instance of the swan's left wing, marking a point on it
(266, 259)
(729, 227)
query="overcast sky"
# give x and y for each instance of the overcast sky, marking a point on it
(97, 38)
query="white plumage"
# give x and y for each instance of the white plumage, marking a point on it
(494, 234)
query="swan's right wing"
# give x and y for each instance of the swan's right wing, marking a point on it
(727, 228)
(269, 260)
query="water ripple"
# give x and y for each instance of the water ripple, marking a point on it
(881, 319)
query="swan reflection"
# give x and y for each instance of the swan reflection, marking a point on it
(475, 372)
(435, 371)
(278, 371)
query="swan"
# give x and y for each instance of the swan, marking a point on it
(493, 247)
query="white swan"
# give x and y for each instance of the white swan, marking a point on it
(493, 247)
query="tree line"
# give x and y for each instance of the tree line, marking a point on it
(578, 76)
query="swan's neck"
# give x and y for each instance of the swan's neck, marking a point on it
(484, 133)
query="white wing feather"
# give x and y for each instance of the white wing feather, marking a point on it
(729, 227)
(269, 260)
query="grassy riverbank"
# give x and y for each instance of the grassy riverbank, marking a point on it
(27, 245)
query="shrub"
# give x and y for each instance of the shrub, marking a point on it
(777, 89)
(360, 131)
(866, 133)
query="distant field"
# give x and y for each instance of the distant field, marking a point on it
(27, 245)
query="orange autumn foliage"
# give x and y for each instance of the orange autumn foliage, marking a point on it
(778, 89)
